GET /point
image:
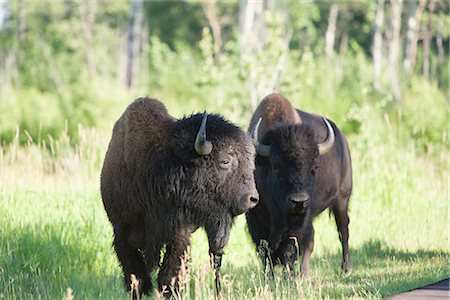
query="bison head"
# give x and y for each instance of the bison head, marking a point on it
(291, 156)
(218, 158)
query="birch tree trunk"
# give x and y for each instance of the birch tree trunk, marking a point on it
(394, 48)
(252, 38)
(22, 19)
(413, 22)
(22, 22)
(251, 26)
(427, 42)
(448, 71)
(209, 8)
(87, 13)
(377, 45)
(331, 30)
(440, 48)
(439, 42)
(134, 41)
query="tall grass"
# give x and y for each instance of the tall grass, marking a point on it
(54, 233)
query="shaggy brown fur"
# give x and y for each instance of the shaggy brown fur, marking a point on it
(157, 189)
(296, 184)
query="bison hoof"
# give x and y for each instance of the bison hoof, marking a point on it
(346, 268)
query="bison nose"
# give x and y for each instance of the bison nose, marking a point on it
(300, 198)
(252, 199)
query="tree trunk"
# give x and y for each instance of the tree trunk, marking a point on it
(22, 22)
(448, 71)
(413, 21)
(439, 42)
(87, 13)
(22, 19)
(378, 45)
(427, 42)
(394, 48)
(133, 47)
(343, 46)
(209, 8)
(440, 49)
(252, 38)
(331, 30)
(410, 32)
(144, 54)
(251, 26)
(448, 66)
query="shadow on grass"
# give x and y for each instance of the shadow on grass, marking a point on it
(42, 261)
(380, 271)
(384, 270)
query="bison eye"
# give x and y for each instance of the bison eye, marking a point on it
(225, 163)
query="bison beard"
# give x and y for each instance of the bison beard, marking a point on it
(163, 178)
(297, 178)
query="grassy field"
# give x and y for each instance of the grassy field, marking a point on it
(54, 233)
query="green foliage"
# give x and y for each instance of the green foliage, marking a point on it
(303, 17)
(426, 115)
(43, 114)
(166, 23)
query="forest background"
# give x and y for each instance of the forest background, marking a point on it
(379, 69)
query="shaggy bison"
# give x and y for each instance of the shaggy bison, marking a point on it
(303, 166)
(163, 178)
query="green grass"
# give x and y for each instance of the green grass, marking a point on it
(54, 233)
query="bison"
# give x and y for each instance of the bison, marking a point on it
(163, 178)
(303, 166)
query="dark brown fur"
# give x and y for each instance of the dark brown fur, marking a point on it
(295, 167)
(157, 189)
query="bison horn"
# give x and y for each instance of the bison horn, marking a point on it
(202, 145)
(261, 149)
(328, 143)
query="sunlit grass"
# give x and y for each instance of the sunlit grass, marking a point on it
(54, 233)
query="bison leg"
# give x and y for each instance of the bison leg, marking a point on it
(266, 256)
(174, 267)
(132, 264)
(340, 211)
(289, 251)
(260, 233)
(257, 229)
(218, 232)
(307, 249)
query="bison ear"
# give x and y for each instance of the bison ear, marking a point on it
(182, 143)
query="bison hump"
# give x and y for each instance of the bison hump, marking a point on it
(145, 123)
(274, 109)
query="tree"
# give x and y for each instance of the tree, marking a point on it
(252, 37)
(252, 29)
(331, 30)
(377, 45)
(427, 41)
(87, 13)
(209, 7)
(134, 43)
(414, 14)
(394, 47)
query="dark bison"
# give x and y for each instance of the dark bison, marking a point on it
(163, 178)
(303, 166)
